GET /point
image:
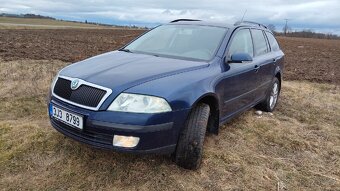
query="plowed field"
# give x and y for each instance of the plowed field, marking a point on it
(313, 60)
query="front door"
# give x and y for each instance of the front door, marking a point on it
(239, 81)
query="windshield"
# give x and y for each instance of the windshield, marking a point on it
(184, 41)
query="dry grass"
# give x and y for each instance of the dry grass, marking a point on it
(296, 148)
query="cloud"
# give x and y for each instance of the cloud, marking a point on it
(316, 14)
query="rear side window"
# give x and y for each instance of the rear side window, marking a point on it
(260, 43)
(272, 41)
(241, 43)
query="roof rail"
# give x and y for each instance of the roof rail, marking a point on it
(177, 20)
(250, 22)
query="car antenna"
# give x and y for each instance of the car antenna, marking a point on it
(244, 14)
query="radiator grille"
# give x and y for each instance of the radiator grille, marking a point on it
(83, 95)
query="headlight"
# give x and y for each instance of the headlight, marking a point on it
(136, 103)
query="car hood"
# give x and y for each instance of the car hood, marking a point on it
(121, 70)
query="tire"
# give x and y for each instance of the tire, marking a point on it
(269, 104)
(190, 144)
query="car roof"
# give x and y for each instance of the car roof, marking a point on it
(218, 24)
(203, 23)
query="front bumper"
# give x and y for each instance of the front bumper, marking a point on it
(158, 133)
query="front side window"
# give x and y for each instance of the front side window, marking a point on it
(260, 43)
(241, 43)
(272, 41)
(183, 41)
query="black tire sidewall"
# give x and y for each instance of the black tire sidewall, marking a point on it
(189, 149)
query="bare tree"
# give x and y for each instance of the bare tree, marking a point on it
(286, 28)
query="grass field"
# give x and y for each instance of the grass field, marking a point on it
(297, 147)
(31, 23)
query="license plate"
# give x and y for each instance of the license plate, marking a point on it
(66, 117)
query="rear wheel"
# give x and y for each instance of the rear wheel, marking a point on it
(190, 144)
(272, 97)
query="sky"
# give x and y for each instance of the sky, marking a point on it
(318, 15)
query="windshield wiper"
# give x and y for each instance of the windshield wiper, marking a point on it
(125, 50)
(129, 51)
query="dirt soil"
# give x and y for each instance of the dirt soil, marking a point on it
(68, 45)
(314, 60)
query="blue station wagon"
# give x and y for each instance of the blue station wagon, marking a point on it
(164, 90)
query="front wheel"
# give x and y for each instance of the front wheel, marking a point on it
(190, 144)
(272, 97)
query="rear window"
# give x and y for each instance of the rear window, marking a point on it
(272, 41)
(260, 43)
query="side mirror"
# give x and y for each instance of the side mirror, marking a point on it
(240, 57)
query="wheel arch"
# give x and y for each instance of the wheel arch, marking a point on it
(278, 74)
(212, 100)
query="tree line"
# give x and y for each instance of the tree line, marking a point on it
(31, 16)
(305, 33)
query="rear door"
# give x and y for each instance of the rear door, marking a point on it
(263, 61)
(275, 53)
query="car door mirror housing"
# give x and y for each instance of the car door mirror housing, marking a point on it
(240, 57)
